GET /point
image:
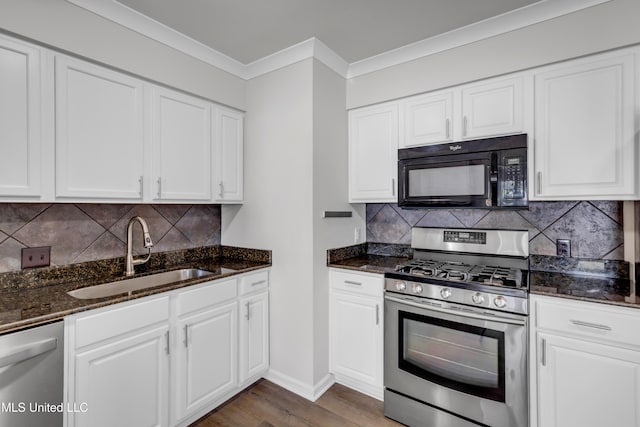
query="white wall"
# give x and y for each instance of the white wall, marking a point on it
(277, 210)
(329, 194)
(65, 26)
(606, 26)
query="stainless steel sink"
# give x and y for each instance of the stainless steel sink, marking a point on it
(138, 283)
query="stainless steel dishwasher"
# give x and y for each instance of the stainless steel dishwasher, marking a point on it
(31, 376)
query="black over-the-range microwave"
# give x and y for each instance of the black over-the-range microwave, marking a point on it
(483, 173)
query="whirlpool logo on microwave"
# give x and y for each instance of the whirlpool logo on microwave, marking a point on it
(455, 147)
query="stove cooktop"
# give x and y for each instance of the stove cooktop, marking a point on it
(462, 272)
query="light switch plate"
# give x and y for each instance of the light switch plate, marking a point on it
(36, 257)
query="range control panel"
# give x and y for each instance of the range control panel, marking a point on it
(474, 237)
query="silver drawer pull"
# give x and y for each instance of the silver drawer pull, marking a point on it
(259, 282)
(350, 282)
(590, 325)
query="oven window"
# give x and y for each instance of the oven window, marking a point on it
(456, 355)
(447, 181)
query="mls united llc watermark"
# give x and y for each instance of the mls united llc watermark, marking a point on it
(39, 407)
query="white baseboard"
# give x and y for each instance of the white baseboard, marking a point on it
(309, 392)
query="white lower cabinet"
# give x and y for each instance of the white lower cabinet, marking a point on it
(117, 362)
(585, 367)
(356, 330)
(254, 337)
(206, 348)
(165, 360)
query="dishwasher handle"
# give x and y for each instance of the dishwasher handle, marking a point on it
(25, 352)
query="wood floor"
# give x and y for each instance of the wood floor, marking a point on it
(265, 404)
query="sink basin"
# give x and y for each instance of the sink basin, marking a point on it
(138, 283)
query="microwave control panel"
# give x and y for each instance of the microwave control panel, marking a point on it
(514, 177)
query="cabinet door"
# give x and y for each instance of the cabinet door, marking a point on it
(584, 129)
(206, 361)
(20, 101)
(373, 153)
(181, 146)
(356, 341)
(99, 132)
(585, 384)
(227, 156)
(426, 119)
(124, 382)
(493, 108)
(254, 336)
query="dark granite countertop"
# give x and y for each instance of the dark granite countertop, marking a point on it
(369, 263)
(31, 298)
(369, 257)
(600, 281)
(609, 290)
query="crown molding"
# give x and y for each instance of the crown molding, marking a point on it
(500, 24)
(314, 48)
(142, 24)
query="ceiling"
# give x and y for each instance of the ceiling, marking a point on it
(248, 30)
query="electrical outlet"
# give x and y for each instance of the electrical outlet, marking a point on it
(563, 247)
(36, 257)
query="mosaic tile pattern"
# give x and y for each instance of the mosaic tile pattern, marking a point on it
(91, 232)
(594, 228)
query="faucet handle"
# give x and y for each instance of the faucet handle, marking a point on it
(148, 243)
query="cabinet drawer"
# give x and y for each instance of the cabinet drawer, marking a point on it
(359, 283)
(206, 295)
(599, 321)
(254, 282)
(116, 321)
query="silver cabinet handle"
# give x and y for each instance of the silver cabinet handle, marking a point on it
(140, 181)
(377, 314)
(393, 187)
(539, 183)
(248, 312)
(464, 126)
(447, 124)
(186, 335)
(159, 187)
(590, 325)
(28, 351)
(543, 352)
(259, 282)
(221, 189)
(166, 349)
(350, 282)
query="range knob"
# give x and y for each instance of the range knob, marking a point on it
(445, 293)
(417, 289)
(500, 301)
(401, 286)
(477, 298)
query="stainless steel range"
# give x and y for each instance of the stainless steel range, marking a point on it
(456, 330)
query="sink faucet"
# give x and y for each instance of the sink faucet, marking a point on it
(130, 262)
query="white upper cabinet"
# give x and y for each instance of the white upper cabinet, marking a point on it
(426, 119)
(20, 118)
(373, 155)
(479, 110)
(228, 156)
(99, 132)
(493, 107)
(585, 141)
(181, 141)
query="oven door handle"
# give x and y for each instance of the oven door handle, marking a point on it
(461, 313)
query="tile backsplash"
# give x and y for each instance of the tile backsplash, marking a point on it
(90, 232)
(594, 227)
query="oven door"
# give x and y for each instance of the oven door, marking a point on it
(463, 180)
(467, 363)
